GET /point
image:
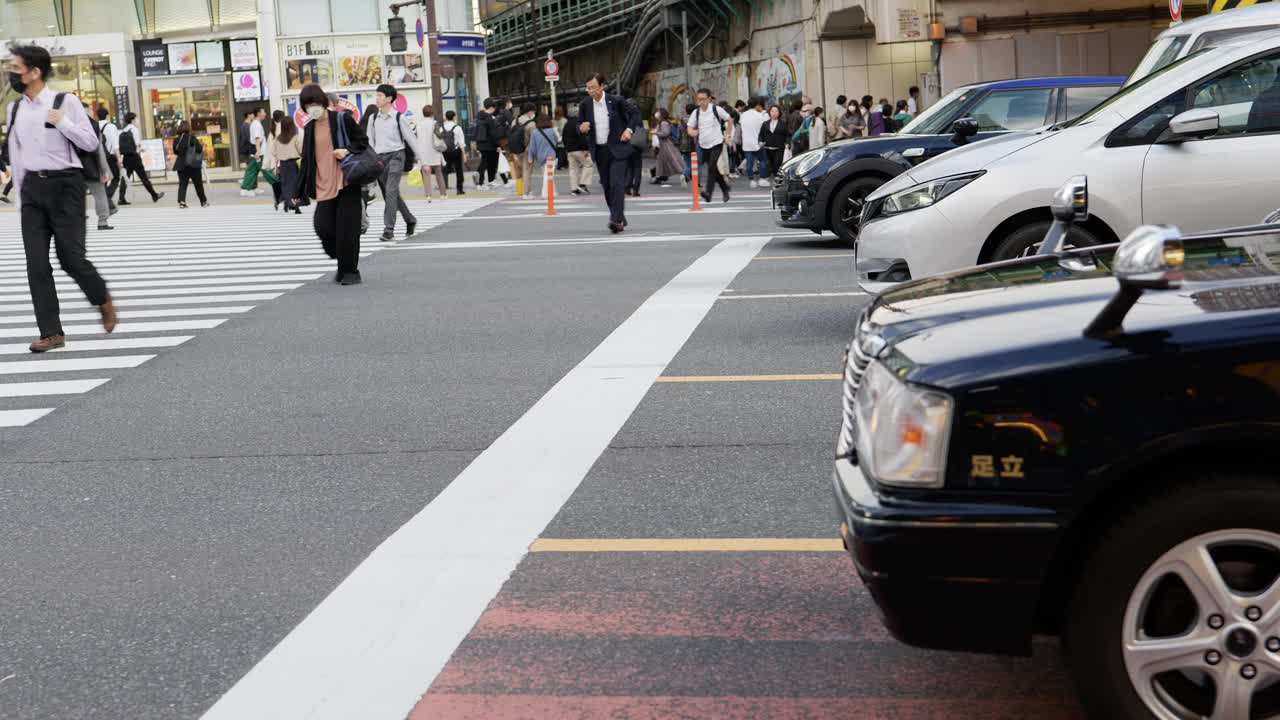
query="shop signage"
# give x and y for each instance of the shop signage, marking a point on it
(210, 56)
(122, 101)
(308, 49)
(244, 54)
(360, 60)
(248, 85)
(182, 58)
(152, 152)
(152, 57)
(453, 44)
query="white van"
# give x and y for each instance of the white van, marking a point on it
(1205, 32)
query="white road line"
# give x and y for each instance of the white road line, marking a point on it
(152, 302)
(127, 315)
(374, 645)
(246, 271)
(111, 362)
(99, 345)
(774, 296)
(49, 387)
(18, 418)
(124, 327)
(705, 210)
(603, 240)
(176, 291)
(67, 285)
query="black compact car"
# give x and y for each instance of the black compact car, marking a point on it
(1082, 443)
(823, 189)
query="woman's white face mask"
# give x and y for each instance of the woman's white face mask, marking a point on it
(315, 111)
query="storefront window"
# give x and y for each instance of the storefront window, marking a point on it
(88, 77)
(205, 109)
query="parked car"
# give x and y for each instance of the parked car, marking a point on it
(1193, 144)
(1080, 444)
(824, 189)
(1206, 31)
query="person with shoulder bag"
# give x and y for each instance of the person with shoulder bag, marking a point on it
(189, 164)
(287, 150)
(635, 166)
(332, 138)
(454, 151)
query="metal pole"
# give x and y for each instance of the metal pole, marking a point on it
(433, 59)
(688, 71)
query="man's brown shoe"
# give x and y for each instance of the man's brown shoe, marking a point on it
(45, 344)
(108, 310)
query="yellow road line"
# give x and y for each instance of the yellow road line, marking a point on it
(743, 378)
(596, 545)
(804, 257)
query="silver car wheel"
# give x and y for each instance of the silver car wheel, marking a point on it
(1200, 639)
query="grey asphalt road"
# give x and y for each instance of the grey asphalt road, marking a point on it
(162, 533)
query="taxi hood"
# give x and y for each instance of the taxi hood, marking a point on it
(964, 159)
(1028, 316)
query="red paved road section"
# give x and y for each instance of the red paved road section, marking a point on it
(717, 635)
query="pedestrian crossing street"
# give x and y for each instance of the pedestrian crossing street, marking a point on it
(172, 273)
(651, 202)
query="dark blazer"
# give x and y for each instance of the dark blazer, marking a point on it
(623, 115)
(776, 140)
(307, 167)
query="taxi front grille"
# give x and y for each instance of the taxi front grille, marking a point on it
(855, 367)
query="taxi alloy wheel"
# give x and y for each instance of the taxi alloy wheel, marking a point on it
(846, 207)
(1177, 614)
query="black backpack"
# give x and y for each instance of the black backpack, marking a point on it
(88, 158)
(128, 144)
(366, 123)
(515, 137)
(447, 137)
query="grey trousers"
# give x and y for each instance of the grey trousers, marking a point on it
(101, 204)
(393, 168)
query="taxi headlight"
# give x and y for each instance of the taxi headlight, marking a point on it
(902, 430)
(925, 194)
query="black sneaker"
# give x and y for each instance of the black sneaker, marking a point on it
(726, 194)
(104, 226)
(351, 278)
(585, 190)
(337, 277)
(6, 199)
(124, 202)
(388, 236)
(157, 197)
(409, 227)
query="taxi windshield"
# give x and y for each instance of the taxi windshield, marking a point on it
(934, 119)
(1163, 52)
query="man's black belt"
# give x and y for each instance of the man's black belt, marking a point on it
(69, 172)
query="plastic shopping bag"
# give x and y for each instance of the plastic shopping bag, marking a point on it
(415, 177)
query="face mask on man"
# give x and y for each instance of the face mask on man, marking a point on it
(315, 111)
(15, 82)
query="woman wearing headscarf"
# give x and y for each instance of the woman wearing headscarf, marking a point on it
(338, 205)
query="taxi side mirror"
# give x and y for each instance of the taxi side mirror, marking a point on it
(1149, 258)
(1198, 123)
(964, 128)
(1070, 205)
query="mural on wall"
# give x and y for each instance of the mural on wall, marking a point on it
(779, 78)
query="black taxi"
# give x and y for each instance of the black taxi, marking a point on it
(1082, 443)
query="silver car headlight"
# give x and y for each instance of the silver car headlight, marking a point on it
(902, 430)
(926, 193)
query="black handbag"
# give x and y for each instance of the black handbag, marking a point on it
(358, 168)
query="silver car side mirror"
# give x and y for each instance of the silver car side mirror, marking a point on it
(1198, 123)
(1070, 205)
(1272, 218)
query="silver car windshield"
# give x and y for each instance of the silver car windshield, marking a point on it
(1163, 52)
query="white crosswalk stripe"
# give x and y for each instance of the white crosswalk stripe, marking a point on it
(169, 271)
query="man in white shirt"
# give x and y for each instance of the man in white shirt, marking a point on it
(710, 125)
(396, 143)
(45, 144)
(752, 120)
(111, 146)
(913, 101)
(607, 122)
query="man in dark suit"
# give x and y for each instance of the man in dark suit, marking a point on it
(607, 122)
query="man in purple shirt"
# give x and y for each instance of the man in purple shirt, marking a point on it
(43, 144)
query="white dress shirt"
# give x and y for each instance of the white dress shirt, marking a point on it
(34, 147)
(602, 120)
(110, 137)
(384, 137)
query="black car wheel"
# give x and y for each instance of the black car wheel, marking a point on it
(1177, 610)
(846, 207)
(1025, 241)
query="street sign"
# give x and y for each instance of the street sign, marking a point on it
(422, 35)
(553, 78)
(550, 68)
(1175, 10)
